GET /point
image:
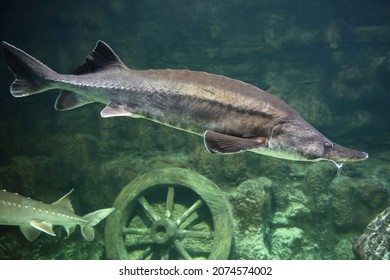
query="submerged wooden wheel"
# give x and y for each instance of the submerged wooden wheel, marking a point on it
(170, 213)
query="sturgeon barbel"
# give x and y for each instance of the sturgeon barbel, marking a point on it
(231, 115)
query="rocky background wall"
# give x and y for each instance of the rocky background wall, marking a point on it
(329, 60)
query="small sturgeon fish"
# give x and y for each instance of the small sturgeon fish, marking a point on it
(233, 116)
(34, 217)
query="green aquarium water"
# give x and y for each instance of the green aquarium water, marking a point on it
(329, 60)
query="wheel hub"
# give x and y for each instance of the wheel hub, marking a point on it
(163, 231)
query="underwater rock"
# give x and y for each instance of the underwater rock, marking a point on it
(10, 247)
(286, 243)
(13, 246)
(230, 169)
(295, 211)
(290, 204)
(343, 250)
(234, 167)
(372, 193)
(317, 181)
(355, 201)
(342, 202)
(290, 243)
(250, 244)
(374, 243)
(81, 250)
(382, 172)
(252, 202)
(202, 160)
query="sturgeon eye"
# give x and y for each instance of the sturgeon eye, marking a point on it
(329, 145)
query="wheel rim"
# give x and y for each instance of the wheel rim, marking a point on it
(169, 213)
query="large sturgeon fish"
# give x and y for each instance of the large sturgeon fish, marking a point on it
(34, 217)
(231, 115)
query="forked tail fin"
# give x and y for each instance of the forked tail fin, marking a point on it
(31, 74)
(93, 219)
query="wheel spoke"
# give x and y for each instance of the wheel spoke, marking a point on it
(179, 247)
(194, 234)
(170, 196)
(149, 209)
(146, 253)
(137, 231)
(165, 253)
(138, 244)
(189, 211)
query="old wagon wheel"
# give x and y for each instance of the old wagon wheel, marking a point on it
(170, 213)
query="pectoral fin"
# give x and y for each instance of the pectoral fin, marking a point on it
(43, 226)
(218, 143)
(29, 232)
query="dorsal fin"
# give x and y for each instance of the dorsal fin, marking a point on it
(65, 202)
(101, 57)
